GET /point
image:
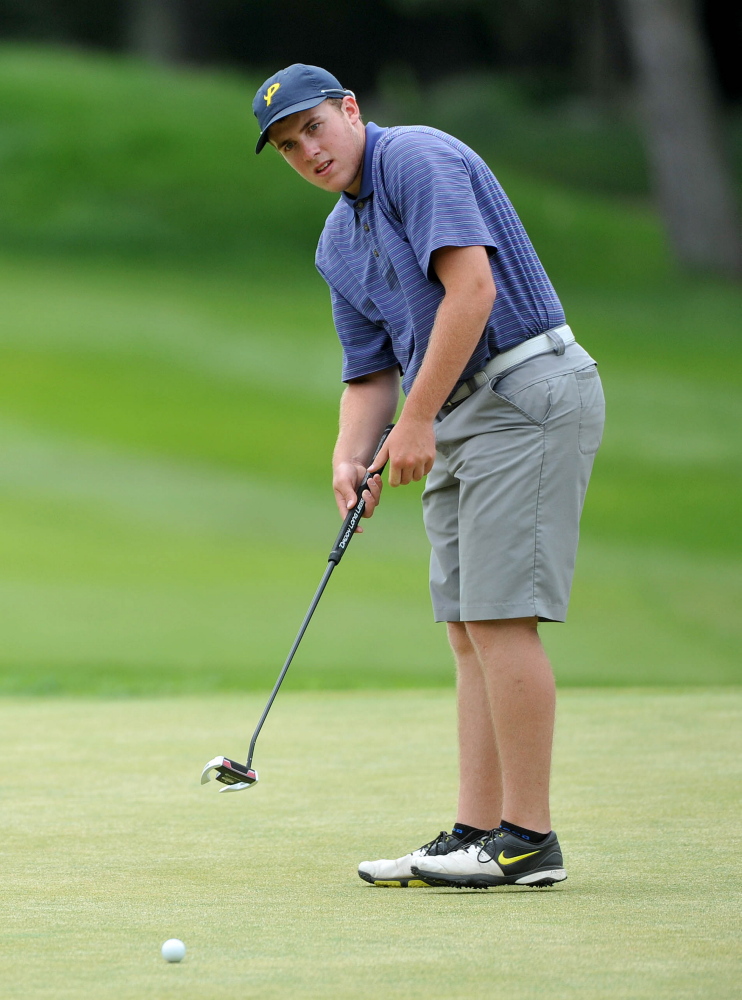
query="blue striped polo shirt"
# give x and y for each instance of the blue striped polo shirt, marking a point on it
(422, 189)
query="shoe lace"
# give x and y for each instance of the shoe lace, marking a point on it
(439, 841)
(483, 841)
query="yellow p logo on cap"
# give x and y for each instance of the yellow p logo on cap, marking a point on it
(268, 96)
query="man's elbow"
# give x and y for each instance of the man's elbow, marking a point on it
(482, 292)
(478, 287)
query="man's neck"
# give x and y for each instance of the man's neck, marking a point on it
(355, 187)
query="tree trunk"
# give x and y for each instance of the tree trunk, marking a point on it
(691, 175)
(601, 57)
(157, 30)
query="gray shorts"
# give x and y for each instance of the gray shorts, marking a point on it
(503, 500)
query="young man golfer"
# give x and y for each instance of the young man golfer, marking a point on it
(435, 285)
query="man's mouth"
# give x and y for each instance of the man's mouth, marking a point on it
(323, 168)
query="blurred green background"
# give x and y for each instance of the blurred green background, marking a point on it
(169, 384)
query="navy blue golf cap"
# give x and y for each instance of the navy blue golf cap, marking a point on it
(293, 89)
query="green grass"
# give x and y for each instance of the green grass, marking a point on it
(106, 155)
(169, 382)
(166, 512)
(110, 847)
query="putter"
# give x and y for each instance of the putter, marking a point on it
(238, 776)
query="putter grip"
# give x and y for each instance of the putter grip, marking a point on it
(354, 516)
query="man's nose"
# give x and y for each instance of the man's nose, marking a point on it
(309, 148)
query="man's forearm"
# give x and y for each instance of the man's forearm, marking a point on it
(462, 315)
(366, 407)
(456, 332)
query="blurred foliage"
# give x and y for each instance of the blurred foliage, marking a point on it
(553, 46)
(572, 140)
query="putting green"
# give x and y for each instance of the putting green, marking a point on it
(110, 847)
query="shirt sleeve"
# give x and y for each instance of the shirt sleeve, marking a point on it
(367, 347)
(429, 186)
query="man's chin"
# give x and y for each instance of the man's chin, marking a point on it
(331, 186)
(335, 182)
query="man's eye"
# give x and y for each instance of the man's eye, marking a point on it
(314, 126)
(288, 146)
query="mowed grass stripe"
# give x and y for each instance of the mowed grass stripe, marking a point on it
(124, 573)
(110, 846)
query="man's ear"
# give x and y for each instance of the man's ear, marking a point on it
(351, 109)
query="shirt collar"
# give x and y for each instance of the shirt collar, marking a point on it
(373, 134)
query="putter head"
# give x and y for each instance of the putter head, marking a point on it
(235, 776)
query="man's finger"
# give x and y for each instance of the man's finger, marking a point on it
(375, 484)
(372, 495)
(345, 501)
(381, 459)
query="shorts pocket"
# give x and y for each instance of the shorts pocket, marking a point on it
(592, 410)
(532, 401)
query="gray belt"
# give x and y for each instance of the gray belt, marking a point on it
(555, 340)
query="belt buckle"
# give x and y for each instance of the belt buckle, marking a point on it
(449, 404)
(449, 407)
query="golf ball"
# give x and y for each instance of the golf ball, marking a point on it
(173, 950)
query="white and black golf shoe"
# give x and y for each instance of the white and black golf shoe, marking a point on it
(500, 858)
(398, 874)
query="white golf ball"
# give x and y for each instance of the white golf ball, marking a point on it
(173, 950)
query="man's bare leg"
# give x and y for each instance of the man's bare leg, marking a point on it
(520, 686)
(480, 785)
(510, 741)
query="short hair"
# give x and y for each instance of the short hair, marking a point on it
(337, 103)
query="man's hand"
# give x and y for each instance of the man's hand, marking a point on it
(346, 479)
(410, 451)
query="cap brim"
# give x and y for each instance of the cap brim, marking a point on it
(301, 106)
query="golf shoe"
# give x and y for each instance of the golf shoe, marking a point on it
(500, 858)
(398, 874)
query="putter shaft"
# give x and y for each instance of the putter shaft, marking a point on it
(338, 551)
(328, 573)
